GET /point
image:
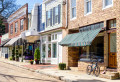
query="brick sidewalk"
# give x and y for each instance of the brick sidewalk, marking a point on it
(36, 67)
(52, 70)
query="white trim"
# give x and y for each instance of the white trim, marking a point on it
(105, 7)
(85, 8)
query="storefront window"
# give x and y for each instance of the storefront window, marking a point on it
(49, 50)
(54, 50)
(94, 51)
(43, 50)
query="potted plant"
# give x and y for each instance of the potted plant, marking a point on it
(37, 56)
(31, 62)
(62, 66)
(36, 61)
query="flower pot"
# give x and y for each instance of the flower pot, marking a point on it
(37, 62)
(31, 63)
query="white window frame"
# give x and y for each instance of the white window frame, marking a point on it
(53, 39)
(72, 18)
(16, 27)
(85, 7)
(108, 6)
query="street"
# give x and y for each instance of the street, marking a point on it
(10, 73)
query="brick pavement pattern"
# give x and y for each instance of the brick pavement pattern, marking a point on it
(10, 73)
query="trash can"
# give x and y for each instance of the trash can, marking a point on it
(6, 56)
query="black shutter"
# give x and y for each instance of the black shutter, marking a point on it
(46, 17)
(53, 15)
(50, 17)
(59, 13)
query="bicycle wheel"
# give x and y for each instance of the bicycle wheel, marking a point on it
(97, 71)
(89, 69)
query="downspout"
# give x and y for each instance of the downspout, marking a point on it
(66, 13)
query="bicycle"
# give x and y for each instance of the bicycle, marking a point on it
(95, 69)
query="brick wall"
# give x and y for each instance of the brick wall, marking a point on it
(14, 20)
(98, 14)
(14, 34)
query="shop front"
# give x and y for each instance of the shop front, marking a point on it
(89, 44)
(51, 52)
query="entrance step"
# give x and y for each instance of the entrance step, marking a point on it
(26, 61)
(110, 75)
(74, 68)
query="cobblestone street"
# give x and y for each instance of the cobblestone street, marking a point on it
(10, 73)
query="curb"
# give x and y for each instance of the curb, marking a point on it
(47, 74)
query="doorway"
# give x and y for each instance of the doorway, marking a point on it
(112, 51)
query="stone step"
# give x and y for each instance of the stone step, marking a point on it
(110, 75)
(74, 68)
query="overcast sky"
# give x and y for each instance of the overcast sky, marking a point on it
(30, 3)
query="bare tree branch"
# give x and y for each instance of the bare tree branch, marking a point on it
(7, 7)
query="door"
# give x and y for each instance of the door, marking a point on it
(112, 51)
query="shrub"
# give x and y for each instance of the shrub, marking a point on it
(62, 66)
(10, 58)
(37, 54)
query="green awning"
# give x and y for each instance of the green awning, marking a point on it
(83, 38)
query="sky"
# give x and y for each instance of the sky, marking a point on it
(30, 3)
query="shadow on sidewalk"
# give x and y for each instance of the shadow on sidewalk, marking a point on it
(13, 78)
(83, 80)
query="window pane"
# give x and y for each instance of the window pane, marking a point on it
(115, 23)
(113, 42)
(73, 3)
(49, 50)
(88, 4)
(55, 36)
(49, 38)
(54, 50)
(73, 12)
(43, 50)
(73, 8)
(108, 2)
(43, 39)
(52, 37)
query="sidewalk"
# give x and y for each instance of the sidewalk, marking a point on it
(65, 75)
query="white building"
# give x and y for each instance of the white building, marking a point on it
(51, 51)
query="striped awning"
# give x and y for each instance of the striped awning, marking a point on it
(83, 38)
(12, 41)
(4, 42)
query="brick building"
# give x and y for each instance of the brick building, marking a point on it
(83, 16)
(18, 23)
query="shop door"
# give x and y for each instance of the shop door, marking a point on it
(112, 51)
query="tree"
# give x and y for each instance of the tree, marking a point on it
(2, 28)
(7, 7)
